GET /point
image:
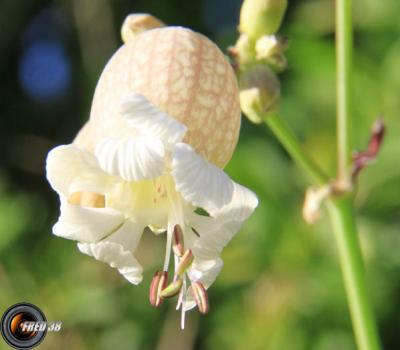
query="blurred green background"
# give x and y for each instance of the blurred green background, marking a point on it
(281, 287)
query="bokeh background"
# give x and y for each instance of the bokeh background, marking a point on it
(281, 287)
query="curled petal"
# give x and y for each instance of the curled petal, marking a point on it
(86, 224)
(198, 181)
(149, 120)
(117, 251)
(133, 158)
(114, 255)
(67, 164)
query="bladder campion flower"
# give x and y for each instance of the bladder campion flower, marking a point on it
(165, 120)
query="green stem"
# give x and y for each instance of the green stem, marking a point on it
(342, 216)
(344, 48)
(293, 147)
(344, 227)
(341, 210)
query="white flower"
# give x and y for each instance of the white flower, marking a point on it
(146, 176)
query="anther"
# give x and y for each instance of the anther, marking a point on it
(201, 297)
(172, 289)
(158, 283)
(185, 262)
(178, 246)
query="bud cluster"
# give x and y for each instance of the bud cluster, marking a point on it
(259, 55)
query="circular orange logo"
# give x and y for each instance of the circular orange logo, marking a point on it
(21, 326)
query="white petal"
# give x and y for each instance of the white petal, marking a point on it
(86, 224)
(133, 158)
(149, 120)
(205, 271)
(198, 181)
(216, 232)
(241, 206)
(68, 164)
(117, 251)
(214, 236)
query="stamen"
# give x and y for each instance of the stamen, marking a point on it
(180, 297)
(178, 246)
(201, 297)
(172, 289)
(168, 247)
(158, 283)
(185, 262)
(182, 301)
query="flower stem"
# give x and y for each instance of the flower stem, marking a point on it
(345, 231)
(341, 205)
(344, 51)
(293, 147)
(341, 209)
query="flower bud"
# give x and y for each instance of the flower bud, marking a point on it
(259, 93)
(137, 23)
(261, 17)
(177, 245)
(185, 262)
(158, 283)
(270, 45)
(243, 51)
(201, 297)
(172, 289)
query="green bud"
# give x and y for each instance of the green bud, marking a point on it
(244, 50)
(261, 17)
(259, 93)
